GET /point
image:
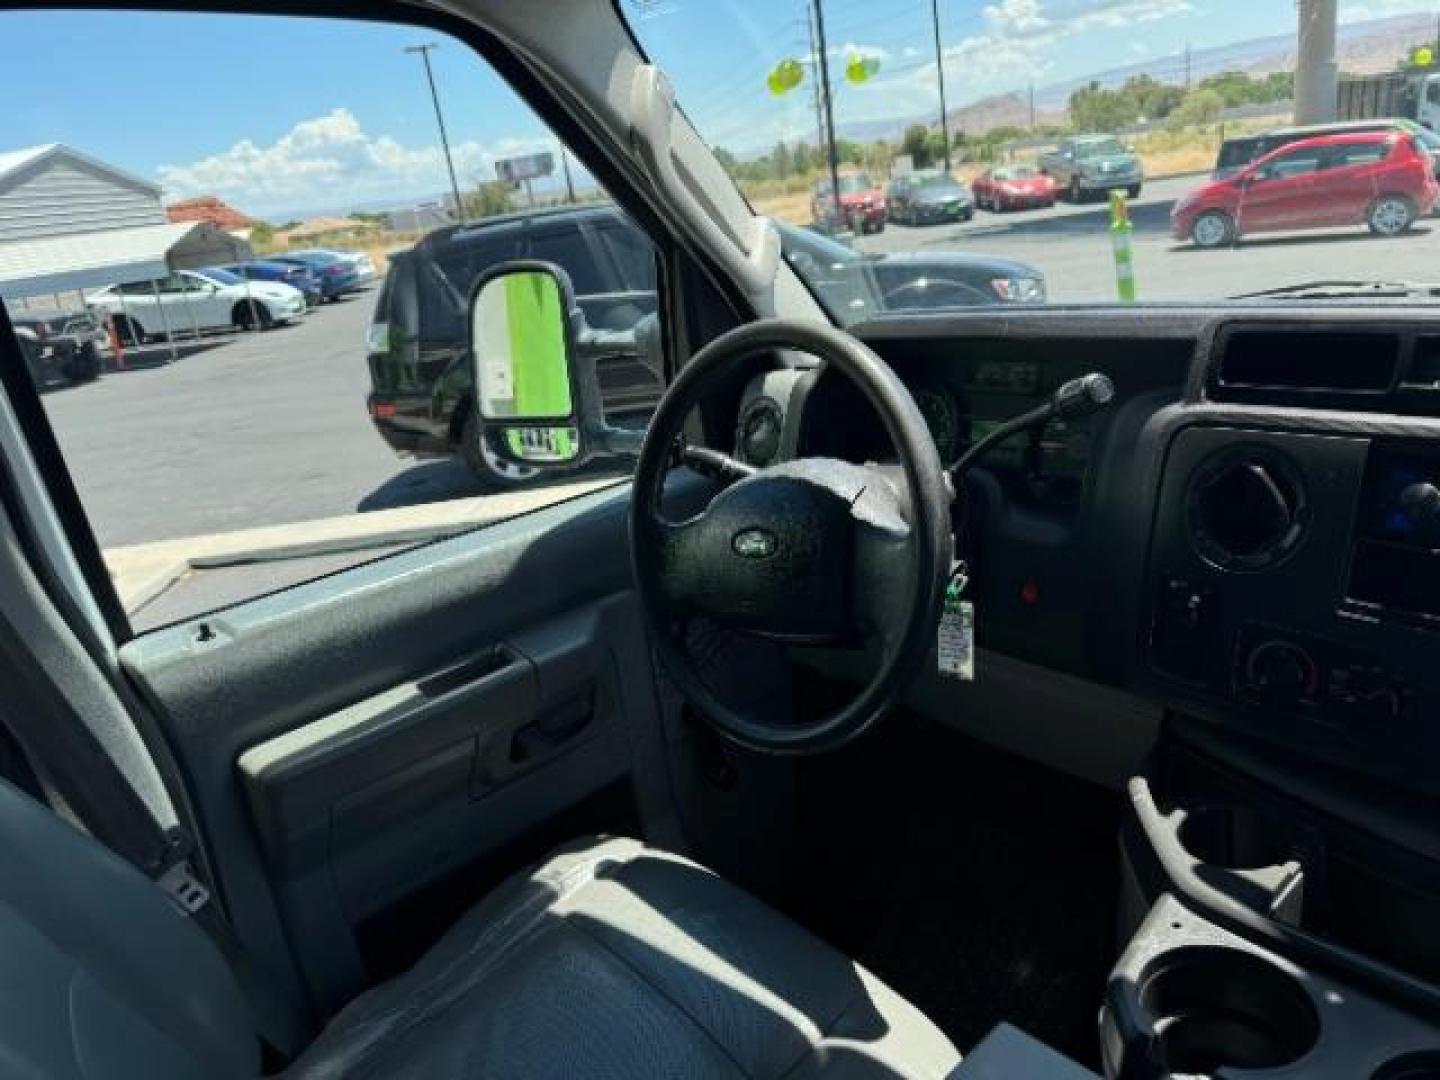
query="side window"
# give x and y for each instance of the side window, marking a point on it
(632, 253)
(1358, 154)
(570, 246)
(278, 415)
(1295, 163)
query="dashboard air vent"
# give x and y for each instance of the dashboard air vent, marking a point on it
(1424, 371)
(1274, 364)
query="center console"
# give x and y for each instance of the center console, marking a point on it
(1189, 998)
(1282, 861)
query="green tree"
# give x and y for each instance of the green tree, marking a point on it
(781, 165)
(1203, 105)
(262, 235)
(935, 148)
(487, 199)
(916, 143)
(1094, 108)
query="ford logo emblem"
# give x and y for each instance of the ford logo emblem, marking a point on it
(755, 543)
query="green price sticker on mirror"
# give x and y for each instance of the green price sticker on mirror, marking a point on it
(519, 334)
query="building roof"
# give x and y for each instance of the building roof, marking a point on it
(12, 161)
(94, 259)
(209, 208)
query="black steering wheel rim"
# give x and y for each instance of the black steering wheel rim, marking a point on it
(928, 542)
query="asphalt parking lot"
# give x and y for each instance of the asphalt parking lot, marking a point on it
(270, 429)
(244, 430)
(1071, 245)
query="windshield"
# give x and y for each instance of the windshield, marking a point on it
(1150, 97)
(221, 277)
(1098, 148)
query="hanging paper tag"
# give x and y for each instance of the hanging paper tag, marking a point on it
(955, 648)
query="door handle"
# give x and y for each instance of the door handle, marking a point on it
(549, 732)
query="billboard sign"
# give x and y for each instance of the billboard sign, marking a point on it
(516, 170)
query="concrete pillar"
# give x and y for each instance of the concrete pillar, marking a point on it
(1317, 74)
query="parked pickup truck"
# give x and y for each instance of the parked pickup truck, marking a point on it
(1089, 165)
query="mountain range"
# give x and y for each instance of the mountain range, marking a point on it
(1361, 48)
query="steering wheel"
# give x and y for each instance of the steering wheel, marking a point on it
(814, 551)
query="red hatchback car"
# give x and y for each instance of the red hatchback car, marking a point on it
(1376, 178)
(1012, 187)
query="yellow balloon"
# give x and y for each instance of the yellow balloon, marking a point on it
(786, 76)
(860, 68)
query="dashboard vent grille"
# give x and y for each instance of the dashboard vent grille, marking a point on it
(1274, 364)
(1424, 373)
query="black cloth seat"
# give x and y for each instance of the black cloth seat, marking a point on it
(610, 959)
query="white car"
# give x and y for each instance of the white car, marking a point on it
(195, 300)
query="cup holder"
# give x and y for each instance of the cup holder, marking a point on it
(1235, 838)
(1424, 1065)
(1213, 1007)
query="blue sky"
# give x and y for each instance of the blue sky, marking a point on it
(282, 114)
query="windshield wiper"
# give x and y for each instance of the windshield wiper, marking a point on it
(1346, 290)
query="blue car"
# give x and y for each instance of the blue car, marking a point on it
(336, 276)
(301, 277)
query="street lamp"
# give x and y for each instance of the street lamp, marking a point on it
(424, 51)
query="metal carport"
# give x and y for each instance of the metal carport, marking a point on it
(91, 260)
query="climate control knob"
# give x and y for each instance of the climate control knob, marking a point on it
(1282, 673)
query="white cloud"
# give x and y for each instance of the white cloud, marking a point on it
(331, 160)
(1021, 43)
(1015, 16)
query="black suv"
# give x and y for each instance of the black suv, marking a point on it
(421, 399)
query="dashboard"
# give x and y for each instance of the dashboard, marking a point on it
(963, 400)
(1249, 535)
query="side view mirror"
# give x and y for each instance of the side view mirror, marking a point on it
(533, 365)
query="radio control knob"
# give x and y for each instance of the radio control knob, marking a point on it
(1281, 672)
(1420, 501)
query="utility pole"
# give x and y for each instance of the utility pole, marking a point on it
(821, 141)
(940, 75)
(1316, 72)
(1032, 105)
(424, 51)
(569, 183)
(829, 107)
(1187, 65)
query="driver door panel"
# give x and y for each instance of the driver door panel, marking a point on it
(408, 720)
